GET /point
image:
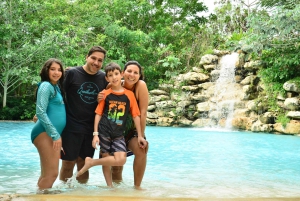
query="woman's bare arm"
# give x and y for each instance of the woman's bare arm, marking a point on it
(141, 93)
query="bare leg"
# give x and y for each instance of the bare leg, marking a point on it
(107, 172)
(41, 174)
(66, 170)
(107, 175)
(116, 172)
(83, 179)
(87, 165)
(139, 163)
(49, 160)
(118, 159)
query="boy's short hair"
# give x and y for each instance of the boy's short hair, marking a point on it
(111, 67)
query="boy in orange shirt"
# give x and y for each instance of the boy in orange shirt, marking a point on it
(109, 125)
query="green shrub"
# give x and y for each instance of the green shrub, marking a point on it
(18, 108)
(283, 119)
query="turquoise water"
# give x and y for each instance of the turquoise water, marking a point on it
(182, 162)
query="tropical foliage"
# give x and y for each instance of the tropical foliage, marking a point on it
(167, 37)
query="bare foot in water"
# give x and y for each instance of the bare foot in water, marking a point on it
(138, 188)
(87, 165)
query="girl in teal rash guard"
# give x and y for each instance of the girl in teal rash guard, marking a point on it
(51, 113)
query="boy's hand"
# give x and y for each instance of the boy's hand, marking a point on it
(142, 142)
(95, 141)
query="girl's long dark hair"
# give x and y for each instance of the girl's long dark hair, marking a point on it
(44, 74)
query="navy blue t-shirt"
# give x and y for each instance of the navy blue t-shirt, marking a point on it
(81, 93)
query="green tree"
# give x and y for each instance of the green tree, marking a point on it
(15, 29)
(146, 31)
(274, 38)
(33, 31)
(278, 31)
(288, 4)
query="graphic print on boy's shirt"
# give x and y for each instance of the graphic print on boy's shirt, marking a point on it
(116, 111)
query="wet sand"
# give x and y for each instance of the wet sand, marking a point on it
(13, 197)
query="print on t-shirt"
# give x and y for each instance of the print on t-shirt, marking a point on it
(116, 111)
(88, 92)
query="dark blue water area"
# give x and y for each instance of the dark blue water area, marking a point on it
(182, 162)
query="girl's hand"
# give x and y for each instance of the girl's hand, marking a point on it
(95, 141)
(57, 144)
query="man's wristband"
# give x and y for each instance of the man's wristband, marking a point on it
(95, 133)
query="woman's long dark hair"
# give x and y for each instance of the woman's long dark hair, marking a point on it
(138, 65)
(44, 74)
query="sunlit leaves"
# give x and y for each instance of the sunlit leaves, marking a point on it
(287, 4)
(278, 30)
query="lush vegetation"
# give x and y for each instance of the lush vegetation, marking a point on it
(166, 37)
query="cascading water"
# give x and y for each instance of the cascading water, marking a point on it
(225, 94)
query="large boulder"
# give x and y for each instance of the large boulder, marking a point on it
(267, 118)
(209, 59)
(292, 86)
(155, 99)
(184, 122)
(243, 123)
(291, 103)
(253, 65)
(293, 114)
(165, 104)
(292, 128)
(258, 126)
(202, 123)
(203, 107)
(165, 121)
(158, 92)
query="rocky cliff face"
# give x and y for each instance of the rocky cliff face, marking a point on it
(222, 92)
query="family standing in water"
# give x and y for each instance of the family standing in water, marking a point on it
(77, 137)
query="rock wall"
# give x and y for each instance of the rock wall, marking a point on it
(207, 97)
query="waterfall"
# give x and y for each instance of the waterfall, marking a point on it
(225, 94)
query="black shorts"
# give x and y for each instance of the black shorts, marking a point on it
(129, 136)
(76, 144)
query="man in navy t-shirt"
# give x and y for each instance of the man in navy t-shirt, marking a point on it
(82, 85)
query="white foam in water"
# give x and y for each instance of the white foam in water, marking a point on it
(72, 182)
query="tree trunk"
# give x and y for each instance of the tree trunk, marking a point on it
(5, 86)
(4, 94)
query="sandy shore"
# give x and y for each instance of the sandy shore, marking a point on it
(15, 197)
